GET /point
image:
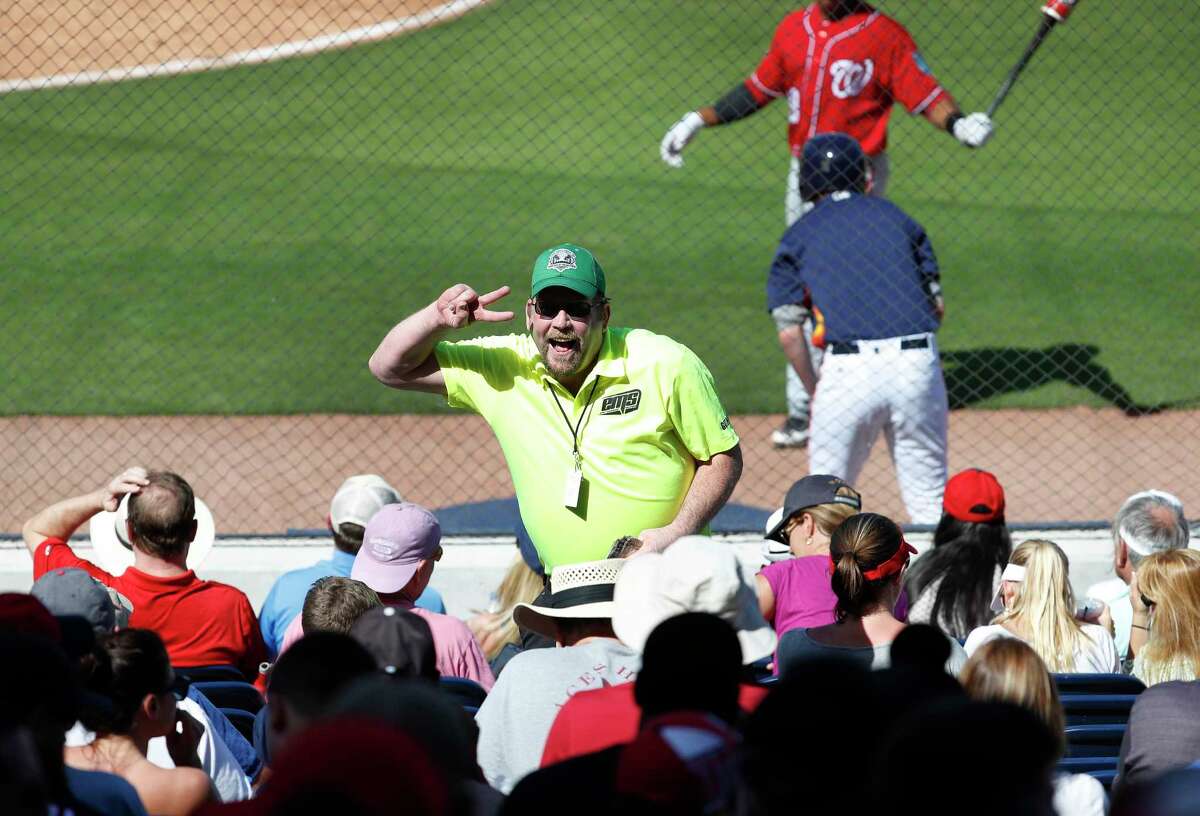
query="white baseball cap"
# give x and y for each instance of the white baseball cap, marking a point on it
(695, 574)
(115, 553)
(359, 499)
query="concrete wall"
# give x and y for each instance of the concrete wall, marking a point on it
(471, 568)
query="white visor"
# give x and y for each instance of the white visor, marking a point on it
(1012, 572)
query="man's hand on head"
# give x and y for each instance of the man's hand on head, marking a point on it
(460, 305)
(131, 481)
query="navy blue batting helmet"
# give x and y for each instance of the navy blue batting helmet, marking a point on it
(832, 162)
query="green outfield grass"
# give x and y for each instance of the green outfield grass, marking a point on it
(238, 242)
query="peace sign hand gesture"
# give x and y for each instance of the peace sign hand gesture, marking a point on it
(461, 306)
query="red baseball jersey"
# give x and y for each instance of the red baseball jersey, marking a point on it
(843, 75)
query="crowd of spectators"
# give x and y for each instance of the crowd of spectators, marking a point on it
(844, 673)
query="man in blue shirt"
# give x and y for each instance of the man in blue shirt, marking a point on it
(359, 498)
(870, 275)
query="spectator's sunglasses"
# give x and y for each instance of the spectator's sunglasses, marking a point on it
(576, 309)
(1146, 601)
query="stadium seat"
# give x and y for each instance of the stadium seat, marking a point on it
(1098, 684)
(1105, 777)
(230, 694)
(203, 673)
(243, 721)
(1103, 740)
(1088, 765)
(467, 693)
(1097, 709)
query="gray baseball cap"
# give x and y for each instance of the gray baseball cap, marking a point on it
(72, 592)
(809, 492)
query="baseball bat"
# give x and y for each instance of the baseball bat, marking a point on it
(1047, 24)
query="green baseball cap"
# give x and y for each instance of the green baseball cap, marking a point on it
(571, 266)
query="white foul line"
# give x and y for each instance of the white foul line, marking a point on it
(254, 56)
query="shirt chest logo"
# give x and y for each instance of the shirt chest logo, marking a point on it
(847, 78)
(624, 403)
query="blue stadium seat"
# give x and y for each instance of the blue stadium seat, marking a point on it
(203, 673)
(466, 693)
(1098, 684)
(243, 721)
(1106, 777)
(1102, 740)
(1097, 709)
(230, 694)
(1088, 764)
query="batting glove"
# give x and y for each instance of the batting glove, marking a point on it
(974, 130)
(678, 137)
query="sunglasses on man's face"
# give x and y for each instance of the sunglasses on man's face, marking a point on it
(577, 309)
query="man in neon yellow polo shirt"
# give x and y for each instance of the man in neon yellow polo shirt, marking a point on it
(608, 432)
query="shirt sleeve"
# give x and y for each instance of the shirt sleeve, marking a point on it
(696, 412)
(910, 81)
(474, 370)
(54, 553)
(923, 255)
(769, 80)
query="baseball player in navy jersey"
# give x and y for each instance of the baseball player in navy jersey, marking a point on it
(870, 273)
(841, 64)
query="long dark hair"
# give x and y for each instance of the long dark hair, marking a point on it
(965, 556)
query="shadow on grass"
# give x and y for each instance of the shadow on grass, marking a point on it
(975, 375)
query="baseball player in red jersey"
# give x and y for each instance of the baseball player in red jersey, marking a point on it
(840, 64)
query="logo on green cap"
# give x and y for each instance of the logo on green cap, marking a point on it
(560, 260)
(570, 266)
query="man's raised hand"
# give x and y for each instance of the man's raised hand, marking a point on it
(461, 306)
(131, 481)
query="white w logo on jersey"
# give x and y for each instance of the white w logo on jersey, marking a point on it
(848, 78)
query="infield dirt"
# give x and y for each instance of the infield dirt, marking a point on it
(268, 474)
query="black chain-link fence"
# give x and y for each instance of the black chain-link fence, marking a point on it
(214, 210)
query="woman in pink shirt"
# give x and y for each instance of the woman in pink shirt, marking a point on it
(795, 593)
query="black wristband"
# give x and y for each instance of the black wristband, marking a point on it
(950, 120)
(737, 104)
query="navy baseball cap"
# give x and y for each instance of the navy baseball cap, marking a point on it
(809, 492)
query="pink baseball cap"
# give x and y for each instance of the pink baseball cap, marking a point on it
(395, 541)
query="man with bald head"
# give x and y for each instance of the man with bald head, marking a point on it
(1148, 522)
(202, 623)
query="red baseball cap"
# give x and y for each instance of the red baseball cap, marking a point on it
(26, 615)
(974, 495)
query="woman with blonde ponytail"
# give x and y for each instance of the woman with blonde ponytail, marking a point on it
(1039, 608)
(868, 557)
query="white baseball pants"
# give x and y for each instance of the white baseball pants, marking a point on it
(900, 392)
(797, 397)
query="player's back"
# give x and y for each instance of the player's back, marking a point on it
(864, 263)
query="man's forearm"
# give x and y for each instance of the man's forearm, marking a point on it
(940, 112)
(62, 519)
(795, 347)
(407, 346)
(711, 487)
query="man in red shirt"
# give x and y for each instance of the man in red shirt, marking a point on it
(202, 623)
(841, 64)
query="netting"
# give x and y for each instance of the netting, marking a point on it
(214, 210)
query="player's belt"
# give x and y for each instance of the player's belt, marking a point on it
(851, 347)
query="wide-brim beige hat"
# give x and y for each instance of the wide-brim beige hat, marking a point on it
(695, 574)
(113, 552)
(583, 590)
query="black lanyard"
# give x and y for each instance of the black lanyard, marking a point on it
(576, 428)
